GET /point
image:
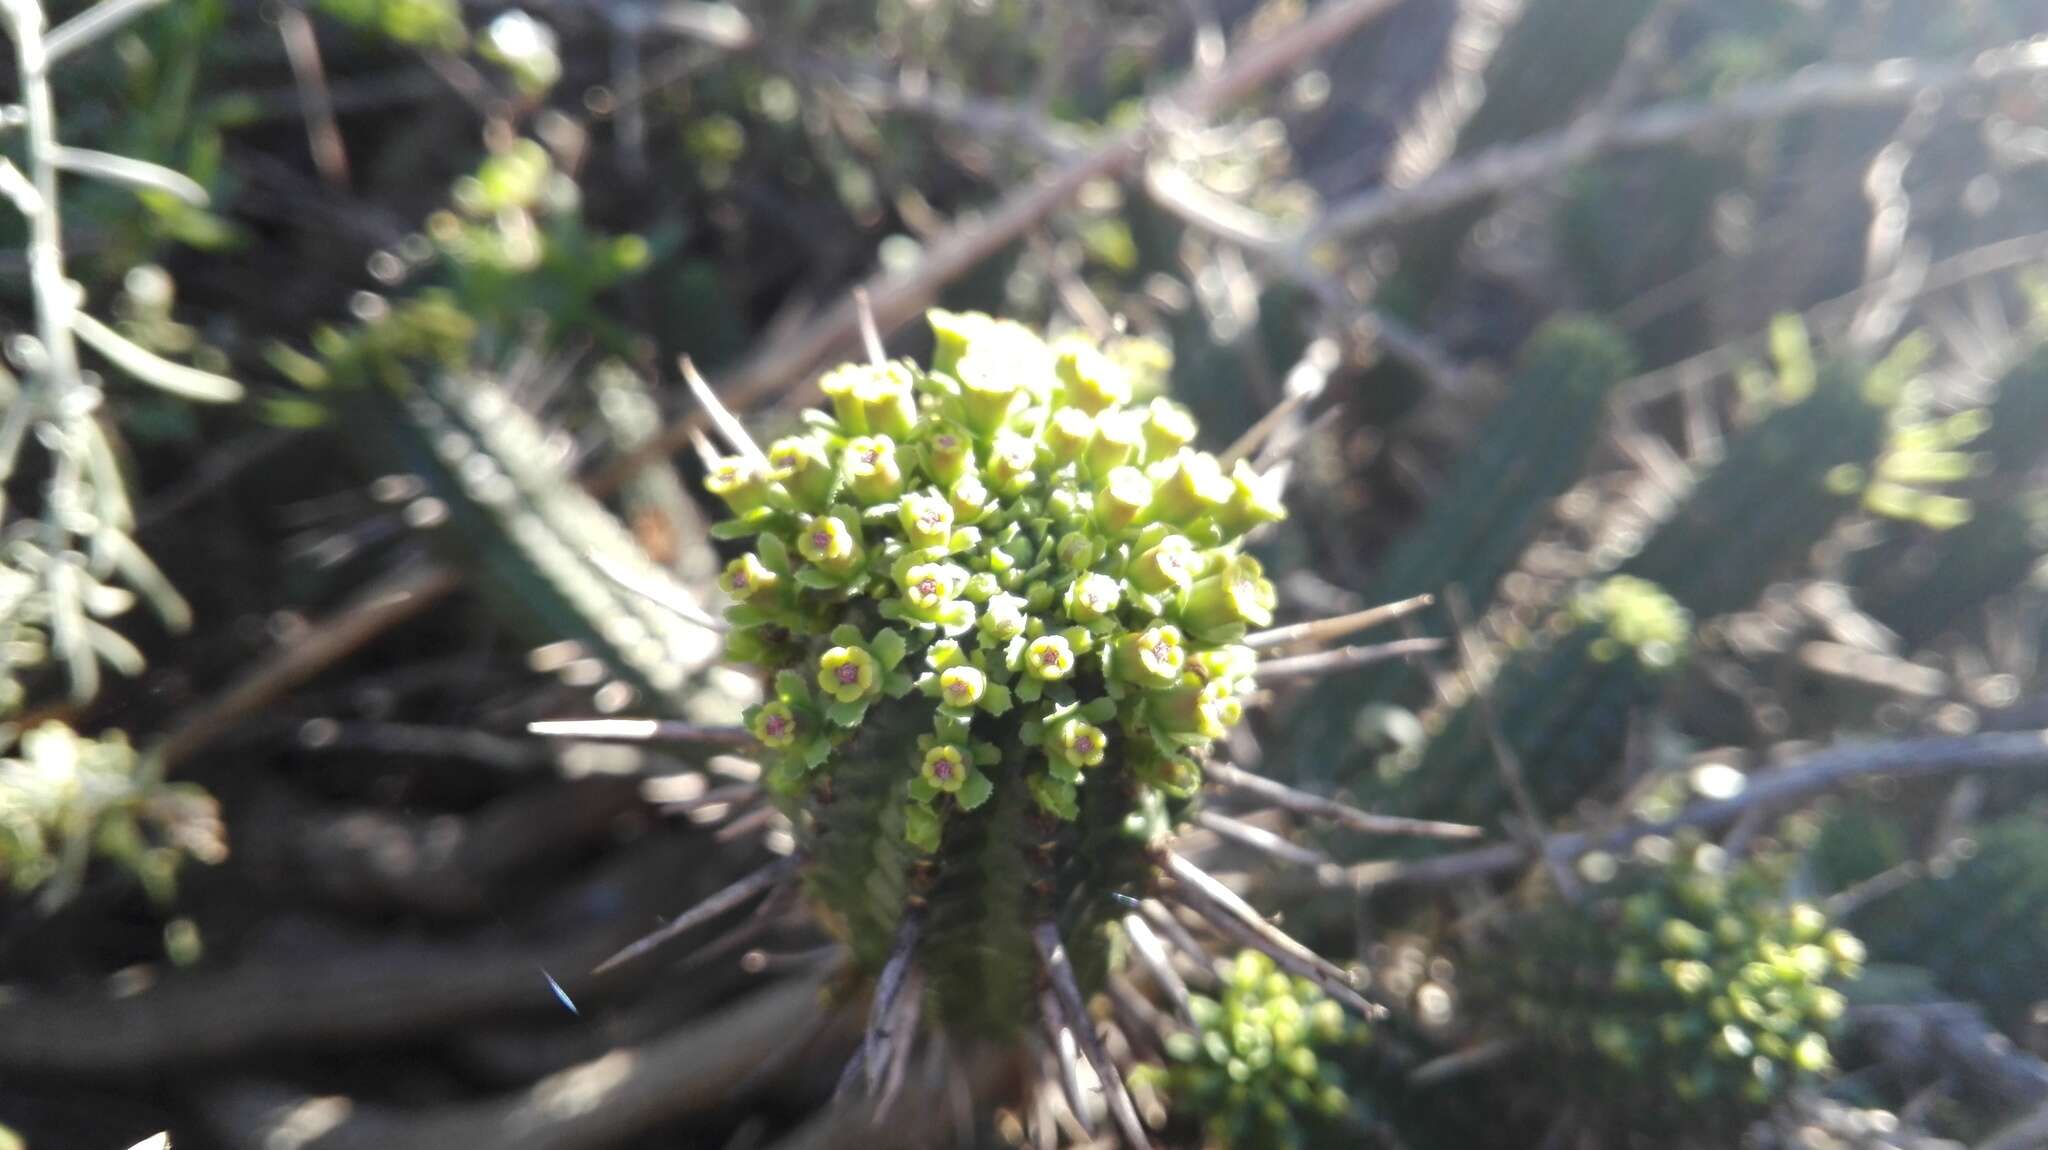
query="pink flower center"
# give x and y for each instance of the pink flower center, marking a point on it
(821, 540)
(942, 770)
(1051, 657)
(1084, 745)
(848, 673)
(739, 579)
(775, 725)
(1162, 652)
(945, 443)
(928, 587)
(871, 456)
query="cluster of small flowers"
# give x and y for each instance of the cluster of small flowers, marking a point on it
(1251, 1066)
(1711, 991)
(1007, 541)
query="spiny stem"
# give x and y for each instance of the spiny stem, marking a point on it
(1315, 806)
(1052, 953)
(761, 880)
(870, 335)
(672, 599)
(1222, 908)
(887, 987)
(1337, 626)
(725, 421)
(641, 731)
(1152, 955)
(1261, 840)
(1345, 658)
(1064, 1048)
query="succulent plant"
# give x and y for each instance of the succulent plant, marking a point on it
(1562, 703)
(999, 609)
(1979, 924)
(1683, 988)
(1259, 1067)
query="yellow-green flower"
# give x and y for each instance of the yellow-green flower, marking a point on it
(1068, 433)
(1121, 500)
(1079, 743)
(1010, 462)
(739, 482)
(840, 385)
(798, 463)
(1168, 428)
(969, 497)
(1167, 565)
(1092, 380)
(1228, 665)
(962, 686)
(1075, 551)
(927, 519)
(945, 767)
(1188, 487)
(1049, 657)
(1091, 597)
(871, 468)
(1206, 710)
(887, 400)
(745, 578)
(1004, 618)
(774, 724)
(1117, 437)
(989, 390)
(1154, 657)
(828, 542)
(1236, 595)
(948, 452)
(848, 674)
(1254, 499)
(929, 586)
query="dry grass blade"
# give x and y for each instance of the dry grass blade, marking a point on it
(760, 881)
(641, 731)
(1222, 908)
(1315, 806)
(1052, 953)
(1345, 658)
(725, 421)
(1261, 840)
(875, 1046)
(1337, 626)
(672, 598)
(1061, 1038)
(1153, 957)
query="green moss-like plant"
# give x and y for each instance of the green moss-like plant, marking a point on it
(999, 608)
(1259, 1067)
(1686, 995)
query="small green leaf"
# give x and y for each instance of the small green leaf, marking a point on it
(847, 714)
(734, 529)
(888, 647)
(1029, 689)
(773, 551)
(817, 580)
(921, 826)
(975, 791)
(987, 754)
(1099, 711)
(845, 635)
(996, 700)
(898, 684)
(920, 790)
(790, 687)
(815, 752)
(741, 615)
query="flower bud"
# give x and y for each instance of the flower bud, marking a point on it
(1010, 462)
(1004, 618)
(952, 332)
(1075, 551)
(989, 392)
(840, 385)
(969, 497)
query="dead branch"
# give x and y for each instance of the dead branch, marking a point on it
(1052, 954)
(1343, 814)
(765, 879)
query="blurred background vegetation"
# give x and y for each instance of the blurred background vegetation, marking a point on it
(1690, 352)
